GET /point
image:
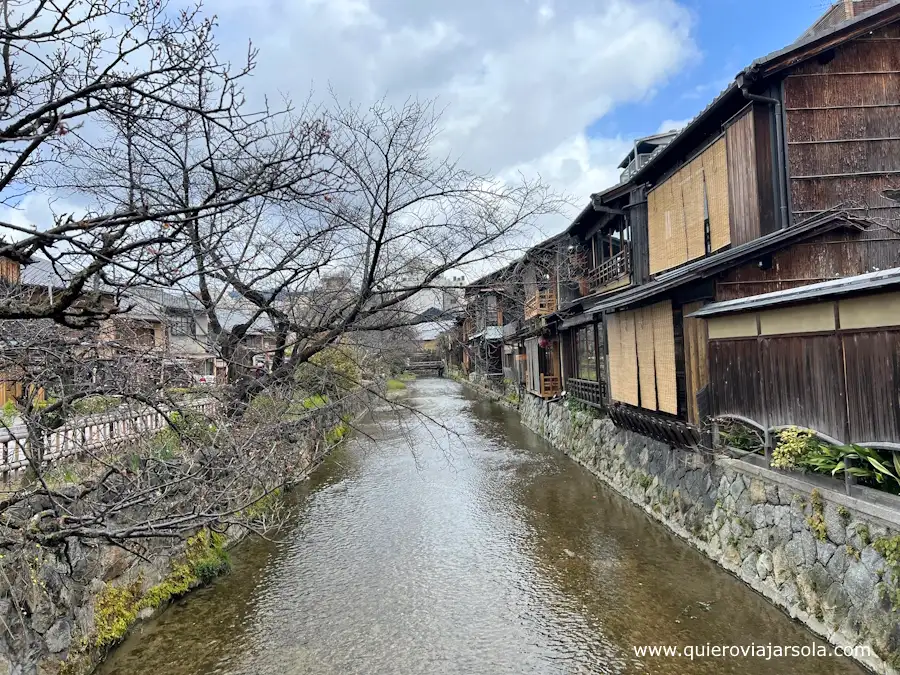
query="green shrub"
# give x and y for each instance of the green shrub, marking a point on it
(395, 385)
(334, 368)
(93, 405)
(793, 446)
(867, 464)
(314, 401)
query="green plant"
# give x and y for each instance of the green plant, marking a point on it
(337, 366)
(889, 549)
(816, 519)
(644, 481)
(740, 436)
(92, 405)
(184, 427)
(863, 531)
(793, 446)
(867, 464)
(114, 611)
(844, 514)
(852, 551)
(8, 413)
(407, 377)
(337, 433)
(395, 385)
(206, 555)
(314, 401)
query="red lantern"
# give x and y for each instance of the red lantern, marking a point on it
(543, 342)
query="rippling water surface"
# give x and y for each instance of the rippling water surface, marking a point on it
(415, 550)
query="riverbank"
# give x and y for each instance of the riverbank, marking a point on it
(810, 550)
(66, 608)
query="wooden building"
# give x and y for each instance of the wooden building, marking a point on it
(785, 183)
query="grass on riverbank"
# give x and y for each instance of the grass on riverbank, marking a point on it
(395, 385)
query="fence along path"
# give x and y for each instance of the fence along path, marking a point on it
(85, 434)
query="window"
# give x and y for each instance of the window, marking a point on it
(182, 324)
(585, 354)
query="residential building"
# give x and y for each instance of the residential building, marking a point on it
(745, 267)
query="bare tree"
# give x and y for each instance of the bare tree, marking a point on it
(318, 227)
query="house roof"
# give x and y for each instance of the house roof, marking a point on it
(231, 317)
(881, 279)
(646, 145)
(40, 272)
(706, 267)
(802, 49)
(812, 43)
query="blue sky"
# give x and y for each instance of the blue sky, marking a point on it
(729, 35)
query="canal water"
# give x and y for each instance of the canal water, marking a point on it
(462, 543)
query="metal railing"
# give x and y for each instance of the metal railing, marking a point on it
(86, 434)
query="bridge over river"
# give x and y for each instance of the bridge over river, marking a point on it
(416, 550)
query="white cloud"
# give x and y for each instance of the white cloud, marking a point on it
(34, 210)
(545, 13)
(520, 81)
(672, 125)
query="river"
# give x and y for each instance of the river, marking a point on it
(416, 550)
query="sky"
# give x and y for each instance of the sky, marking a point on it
(554, 87)
(558, 87)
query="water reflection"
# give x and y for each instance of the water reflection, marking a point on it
(473, 548)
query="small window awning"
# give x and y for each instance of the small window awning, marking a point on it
(862, 283)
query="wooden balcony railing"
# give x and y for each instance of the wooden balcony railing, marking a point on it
(550, 386)
(588, 391)
(540, 304)
(617, 267)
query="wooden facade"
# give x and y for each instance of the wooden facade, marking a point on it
(790, 178)
(751, 200)
(10, 270)
(829, 366)
(843, 127)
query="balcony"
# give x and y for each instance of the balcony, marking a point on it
(588, 391)
(540, 303)
(550, 386)
(610, 273)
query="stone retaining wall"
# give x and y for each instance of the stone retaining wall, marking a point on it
(810, 550)
(49, 622)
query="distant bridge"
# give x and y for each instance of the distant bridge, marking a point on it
(425, 363)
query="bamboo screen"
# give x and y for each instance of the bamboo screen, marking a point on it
(693, 199)
(715, 168)
(678, 207)
(646, 358)
(664, 346)
(623, 367)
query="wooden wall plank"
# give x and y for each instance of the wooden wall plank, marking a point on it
(856, 97)
(743, 190)
(696, 358)
(802, 383)
(873, 385)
